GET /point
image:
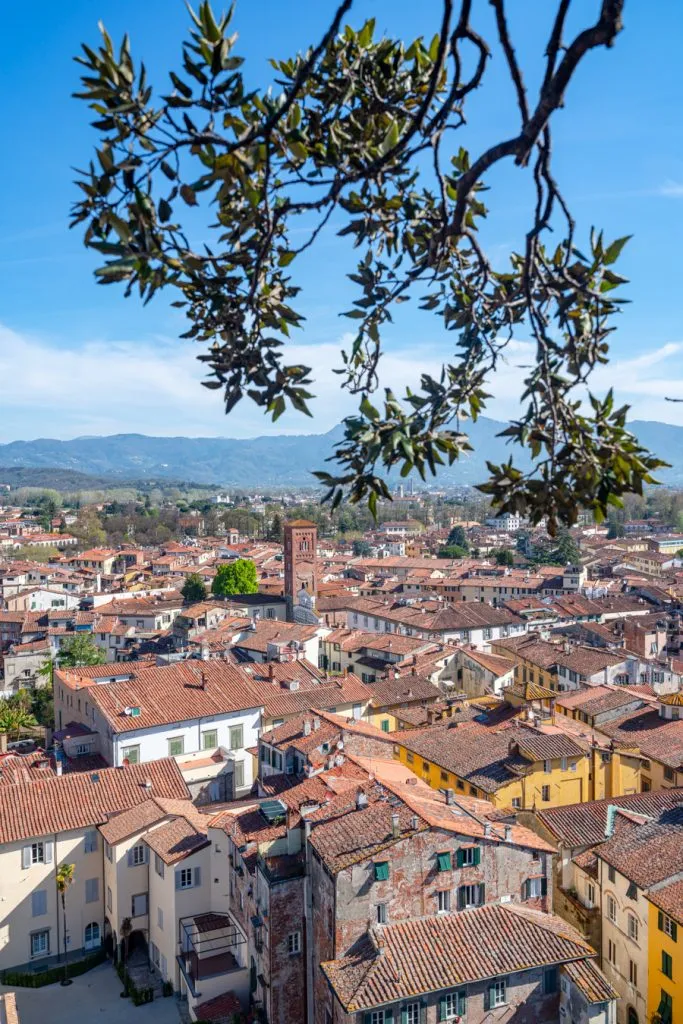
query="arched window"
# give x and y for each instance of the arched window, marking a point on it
(92, 935)
(632, 1016)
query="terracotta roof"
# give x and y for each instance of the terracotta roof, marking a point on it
(647, 853)
(349, 838)
(222, 1009)
(397, 961)
(179, 837)
(406, 689)
(175, 693)
(8, 1005)
(77, 800)
(590, 981)
(658, 738)
(134, 819)
(669, 898)
(584, 824)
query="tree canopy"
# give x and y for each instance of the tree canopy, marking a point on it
(452, 551)
(458, 537)
(238, 577)
(79, 650)
(365, 132)
(194, 588)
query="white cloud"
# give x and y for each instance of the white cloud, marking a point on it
(671, 189)
(154, 387)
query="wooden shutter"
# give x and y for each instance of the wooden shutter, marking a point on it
(197, 876)
(477, 856)
(544, 886)
(48, 851)
(442, 1005)
(404, 1014)
(461, 858)
(389, 1016)
(26, 860)
(462, 1003)
(674, 931)
(660, 921)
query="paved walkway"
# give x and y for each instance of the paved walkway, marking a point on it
(92, 998)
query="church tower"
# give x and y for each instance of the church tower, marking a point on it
(301, 566)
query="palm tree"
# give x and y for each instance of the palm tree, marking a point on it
(64, 877)
(14, 719)
(125, 932)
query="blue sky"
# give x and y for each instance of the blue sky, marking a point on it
(76, 358)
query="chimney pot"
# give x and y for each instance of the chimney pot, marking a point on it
(395, 826)
(450, 796)
(59, 767)
(316, 723)
(508, 833)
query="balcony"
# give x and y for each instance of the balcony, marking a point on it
(212, 948)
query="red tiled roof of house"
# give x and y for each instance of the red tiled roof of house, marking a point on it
(583, 824)
(397, 961)
(175, 693)
(77, 800)
(590, 981)
(222, 1009)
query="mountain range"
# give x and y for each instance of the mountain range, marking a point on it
(283, 460)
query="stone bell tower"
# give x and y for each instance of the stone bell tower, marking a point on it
(301, 566)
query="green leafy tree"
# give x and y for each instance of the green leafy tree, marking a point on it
(15, 719)
(79, 650)
(566, 550)
(363, 132)
(505, 556)
(452, 551)
(194, 588)
(64, 877)
(238, 577)
(458, 537)
(361, 547)
(275, 528)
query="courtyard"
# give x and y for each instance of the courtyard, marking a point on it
(92, 997)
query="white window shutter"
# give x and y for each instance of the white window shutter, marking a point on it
(177, 879)
(26, 857)
(197, 876)
(130, 857)
(48, 848)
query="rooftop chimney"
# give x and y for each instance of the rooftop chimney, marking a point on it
(450, 796)
(487, 830)
(307, 727)
(508, 833)
(414, 822)
(59, 767)
(361, 800)
(316, 723)
(395, 826)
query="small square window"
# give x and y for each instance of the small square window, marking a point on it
(382, 915)
(176, 746)
(210, 739)
(294, 943)
(444, 901)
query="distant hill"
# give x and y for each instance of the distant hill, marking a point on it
(254, 462)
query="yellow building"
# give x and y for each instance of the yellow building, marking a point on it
(517, 766)
(665, 954)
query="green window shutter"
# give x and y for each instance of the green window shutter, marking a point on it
(477, 856)
(462, 1003)
(491, 997)
(544, 887)
(444, 861)
(389, 1016)
(482, 894)
(674, 931)
(461, 898)
(381, 871)
(660, 921)
(442, 1008)
(367, 1017)
(460, 858)
(404, 1015)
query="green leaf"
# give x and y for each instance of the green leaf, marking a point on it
(613, 251)
(285, 259)
(390, 140)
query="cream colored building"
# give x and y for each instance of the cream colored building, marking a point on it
(53, 820)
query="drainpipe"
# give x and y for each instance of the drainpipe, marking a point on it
(308, 928)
